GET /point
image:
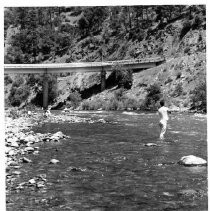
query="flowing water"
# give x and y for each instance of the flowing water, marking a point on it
(106, 166)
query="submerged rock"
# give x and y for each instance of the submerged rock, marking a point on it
(188, 192)
(40, 184)
(192, 160)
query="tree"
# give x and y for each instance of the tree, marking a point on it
(198, 97)
(153, 95)
(124, 77)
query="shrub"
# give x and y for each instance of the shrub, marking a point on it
(123, 77)
(153, 95)
(7, 80)
(118, 94)
(18, 82)
(18, 95)
(169, 79)
(187, 49)
(196, 22)
(113, 104)
(74, 98)
(198, 97)
(131, 103)
(13, 113)
(178, 90)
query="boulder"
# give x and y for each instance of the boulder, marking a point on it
(12, 163)
(150, 145)
(57, 136)
(192, 160)
(26, 160)
(32, 181)
(14, 144)
(29, 149)
(11, 153)
(54, 161)
(29, 138)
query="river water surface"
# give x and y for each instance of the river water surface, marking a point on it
(106, 166)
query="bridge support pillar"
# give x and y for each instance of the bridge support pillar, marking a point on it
(45, 90)
(103, 79)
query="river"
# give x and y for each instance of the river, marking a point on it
(106, 166)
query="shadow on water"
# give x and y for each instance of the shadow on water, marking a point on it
(106, 166)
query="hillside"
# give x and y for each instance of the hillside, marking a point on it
(176, 32)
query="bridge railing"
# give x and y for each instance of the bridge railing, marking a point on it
(133, 61)
(84, 66)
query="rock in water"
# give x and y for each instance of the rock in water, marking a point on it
(26, 160)
(192, 160)
(57, 136)
(54, 161)
(150, 145)
(32, 181)
(29, 149)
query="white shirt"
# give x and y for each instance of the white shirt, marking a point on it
(163, 113)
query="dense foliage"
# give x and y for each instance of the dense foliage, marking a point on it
(123, 76)
(153, 96)
(46, 33)
(199, 97)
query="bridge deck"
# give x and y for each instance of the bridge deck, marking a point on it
(80, 66)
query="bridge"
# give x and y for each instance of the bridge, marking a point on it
(102, 67)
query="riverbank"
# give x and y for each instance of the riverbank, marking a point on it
(20, 141)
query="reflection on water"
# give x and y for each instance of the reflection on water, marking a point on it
(106, 166)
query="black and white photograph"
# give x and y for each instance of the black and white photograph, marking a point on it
(105, 107)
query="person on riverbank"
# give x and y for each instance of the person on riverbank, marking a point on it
(163, 114)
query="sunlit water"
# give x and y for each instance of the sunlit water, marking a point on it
(114, 170)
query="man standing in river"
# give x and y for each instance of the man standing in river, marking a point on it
(163, 113)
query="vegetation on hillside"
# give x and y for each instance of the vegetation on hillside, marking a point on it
(71, 34)
(47, 33)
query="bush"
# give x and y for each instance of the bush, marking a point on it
(131, 103)
(187, 49)
(178, 90)
(169, 79)
(14, 113)
(18, 95)
(18, 82)
(198, 97)
(7, 80)
(153, 95)
(196, 22)
(123, 77)
(118, 94)
(75, 99)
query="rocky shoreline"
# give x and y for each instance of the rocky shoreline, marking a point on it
(20, 141)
